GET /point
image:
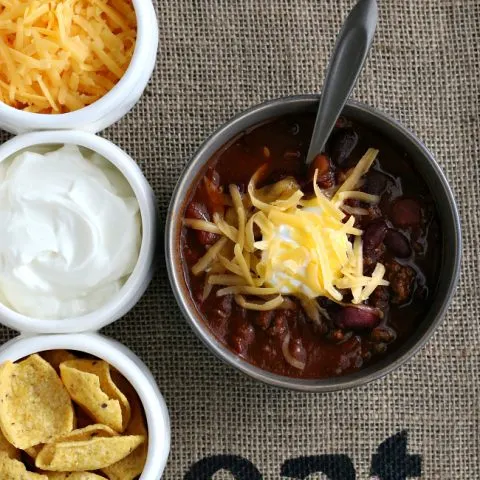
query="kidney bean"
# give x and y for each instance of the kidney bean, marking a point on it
(242, 337)
(374, 235)
(398, 244)
(223, 309)
(264, 319)
(406, 212)
(191, 256)
(352, 318)
(279, 325)
(342, 144)
(206, 238)
(199, 211)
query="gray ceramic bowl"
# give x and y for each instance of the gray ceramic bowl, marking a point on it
(425, 165)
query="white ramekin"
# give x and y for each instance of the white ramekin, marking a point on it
(129, 365)
(112, 106)
(139, 279)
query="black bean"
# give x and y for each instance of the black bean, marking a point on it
(342, 144)
(376, 183)
(374, 235)
(398, 244)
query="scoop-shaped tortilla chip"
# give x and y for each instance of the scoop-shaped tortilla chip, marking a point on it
(11, 469)
(56, 357)
(8, 448)
(73, 476)
(91, 386)
(131, 466)
(136, 425)
(104, 372)
(92, 454)
(34, 405)
(87, 433)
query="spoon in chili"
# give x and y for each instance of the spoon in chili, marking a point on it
(351, 49)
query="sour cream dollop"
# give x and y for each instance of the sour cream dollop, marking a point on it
(287, 275)
(70, 232)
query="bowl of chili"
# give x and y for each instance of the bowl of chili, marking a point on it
(313, 279)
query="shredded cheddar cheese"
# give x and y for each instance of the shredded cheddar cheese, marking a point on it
(58, 56)
(308, 248)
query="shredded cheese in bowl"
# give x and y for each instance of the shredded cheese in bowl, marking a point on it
(305, 250)
(58, 56)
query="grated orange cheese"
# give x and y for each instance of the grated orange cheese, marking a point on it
(306, 248)
(58, 56)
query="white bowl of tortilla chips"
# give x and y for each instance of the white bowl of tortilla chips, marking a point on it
(79, 406)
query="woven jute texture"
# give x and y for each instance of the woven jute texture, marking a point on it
(218, 57)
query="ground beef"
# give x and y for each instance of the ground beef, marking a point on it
(401, 278)
(379, 298)
(371, 259)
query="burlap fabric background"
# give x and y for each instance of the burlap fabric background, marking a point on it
(219, 57)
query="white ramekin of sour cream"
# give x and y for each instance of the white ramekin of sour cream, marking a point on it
(78, 232)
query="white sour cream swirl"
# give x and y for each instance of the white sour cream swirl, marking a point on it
(69, 232)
